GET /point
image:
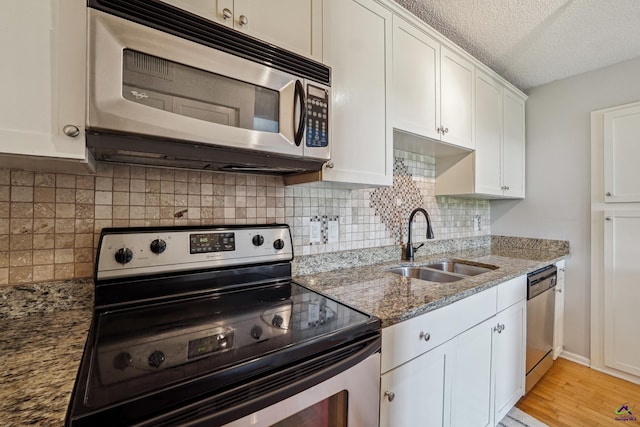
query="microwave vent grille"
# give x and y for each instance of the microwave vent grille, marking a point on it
(147, 64)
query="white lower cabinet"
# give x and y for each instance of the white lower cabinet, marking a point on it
(558, 324)
(509, 355)
(472, 379)
(418, 392)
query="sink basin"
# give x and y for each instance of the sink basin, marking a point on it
(425, 274)
(459, 268)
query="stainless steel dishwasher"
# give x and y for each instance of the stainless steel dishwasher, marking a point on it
(540, 313)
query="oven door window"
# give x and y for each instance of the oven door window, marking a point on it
(330, 412)
(191, 92)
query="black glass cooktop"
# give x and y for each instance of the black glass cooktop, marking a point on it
(191, 346)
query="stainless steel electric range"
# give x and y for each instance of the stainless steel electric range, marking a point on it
(204, 326)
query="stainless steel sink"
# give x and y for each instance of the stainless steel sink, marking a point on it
(459, 268)
(425, 274)
(443, 271)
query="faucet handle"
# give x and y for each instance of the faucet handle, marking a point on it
(415, 248)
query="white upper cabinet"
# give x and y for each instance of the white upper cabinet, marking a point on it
(496, 169)
(432, 87)
(416, 80)
(42, 81)
(621, 154)
(295, 25)
(513, 145)
(357, 47)
(456, 99)
(488, 155)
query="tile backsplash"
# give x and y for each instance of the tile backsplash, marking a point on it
(50, 222)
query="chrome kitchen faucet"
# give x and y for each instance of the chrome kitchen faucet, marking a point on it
(410, 250)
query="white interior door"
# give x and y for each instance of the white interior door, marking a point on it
(622, 291)
(621, 154)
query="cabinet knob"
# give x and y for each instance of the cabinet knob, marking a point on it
(425, 336)
(71, 130)
(329, 165)
(608, 218)
(390, 395)
(559, 291)
(243, 20)
(499, 328)
(445, 130)
(226, 13)
(506, 187)
(608, 194)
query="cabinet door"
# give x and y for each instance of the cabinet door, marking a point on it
(416, 92)
(509, 357)
(621, 154)
(421, 390)
(622, 291)
(558, 324)
(295, 25)
(488, 109)
(456, 98)
(513, 145)
(357, 45)
(43, 83)
(472, 377)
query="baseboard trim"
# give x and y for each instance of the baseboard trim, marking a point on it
(576, 358)
(618, 374)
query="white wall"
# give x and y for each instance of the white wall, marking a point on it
(558, 200)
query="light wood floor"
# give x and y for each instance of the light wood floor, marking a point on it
(572, 395)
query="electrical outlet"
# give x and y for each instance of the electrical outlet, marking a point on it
(476, 222)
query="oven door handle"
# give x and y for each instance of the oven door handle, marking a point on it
(299, 96)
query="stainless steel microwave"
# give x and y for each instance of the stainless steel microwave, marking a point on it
(197, 94)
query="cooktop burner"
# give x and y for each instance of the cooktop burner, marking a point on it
(215, 307)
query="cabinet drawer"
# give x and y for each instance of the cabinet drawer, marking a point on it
(403, 341)
(512, 291)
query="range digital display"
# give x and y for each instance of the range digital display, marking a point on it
(207, 345)
(212, 242)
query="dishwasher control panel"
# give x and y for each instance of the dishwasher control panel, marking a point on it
(541, 280)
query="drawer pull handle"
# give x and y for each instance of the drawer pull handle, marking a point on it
(425, 336)
(390, 395)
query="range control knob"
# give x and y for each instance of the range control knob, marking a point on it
(122, 361)
(258, 240)
(256, 332)
(158, 246)
(123, 255)
(278, 244)
(156, 358)
(277, 321)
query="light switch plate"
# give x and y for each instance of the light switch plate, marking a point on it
(315, 231)
(333, 231)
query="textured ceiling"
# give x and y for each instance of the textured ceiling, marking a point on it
(533, 42)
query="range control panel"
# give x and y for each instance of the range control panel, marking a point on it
(124, 253)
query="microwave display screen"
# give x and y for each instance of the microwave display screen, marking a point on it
(180, 89)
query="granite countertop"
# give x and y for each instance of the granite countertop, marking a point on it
(40, 355)
(45, 325)
(394, 298)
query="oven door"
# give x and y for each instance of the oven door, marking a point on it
(347, 399)
(146, 82)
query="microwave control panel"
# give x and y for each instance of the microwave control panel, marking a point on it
(317, 116)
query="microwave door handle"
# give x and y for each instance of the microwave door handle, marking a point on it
(299, 95)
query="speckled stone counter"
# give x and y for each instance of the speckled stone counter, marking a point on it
(394, 298)
(39, 356)
(43, 327)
